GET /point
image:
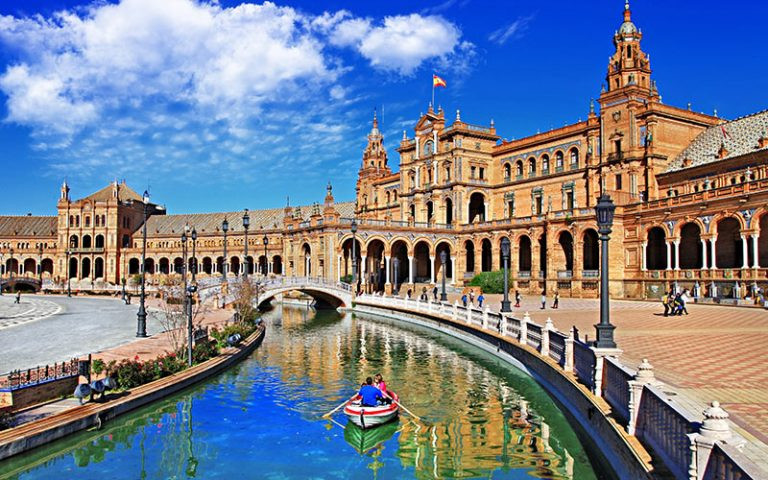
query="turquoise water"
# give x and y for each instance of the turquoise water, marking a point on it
(263, 418)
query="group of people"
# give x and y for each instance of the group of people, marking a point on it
(674, 303)
(471, 298)
(374, 392)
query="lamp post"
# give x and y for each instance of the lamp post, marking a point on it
(443, 263)
(193, 235)
(266, 242)
(224, 263)
(396, 265)
(123, 272)
(40, 265)
(2, 271)
(604, 210)
(187, 297)
(353, 227)
(190, 291)
(505, 307)
(12, 267)
(69, 275)
(246, 224)
(141, 317)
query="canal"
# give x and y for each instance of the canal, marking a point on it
(479, 418)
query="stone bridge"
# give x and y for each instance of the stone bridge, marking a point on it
(326, 292)
(20, 283)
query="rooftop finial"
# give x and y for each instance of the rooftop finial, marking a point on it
(627, 13)
(329, 188)
(458, 115)
(287, 200)
(591, 106)
(375, 120)
(405, 136)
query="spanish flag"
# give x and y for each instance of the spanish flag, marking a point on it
(438, 82)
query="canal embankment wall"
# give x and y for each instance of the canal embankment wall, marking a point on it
(633, 424)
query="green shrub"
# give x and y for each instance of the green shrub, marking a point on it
(98, 366)
(347, 279)
(489, 282)
(204, 350)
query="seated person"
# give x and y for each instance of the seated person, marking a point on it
(369, 395)
(378, 382)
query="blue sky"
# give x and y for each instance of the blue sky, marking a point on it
(225, 105)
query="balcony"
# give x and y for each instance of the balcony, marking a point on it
(86, 250)
(524, 274)
(566, 274)
(590, 273)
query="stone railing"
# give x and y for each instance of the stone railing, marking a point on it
(690, 449)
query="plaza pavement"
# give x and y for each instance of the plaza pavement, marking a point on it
(714, 353)
(44, 329)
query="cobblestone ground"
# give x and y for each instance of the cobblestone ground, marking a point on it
(714, 353)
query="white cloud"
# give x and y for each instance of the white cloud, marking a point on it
(514, 30)
(147, 85)
(404, 42)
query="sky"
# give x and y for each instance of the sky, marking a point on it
(223, 105)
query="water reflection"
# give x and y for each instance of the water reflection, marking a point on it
(263, 418)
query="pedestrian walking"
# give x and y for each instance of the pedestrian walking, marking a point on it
(543, 300)
(464, 300)
(424, 295)
(408, 294)
(665, 302)
(556, 301)
(434, 292)
(18, 298)
(683, 300)
(518, 297)
(471, 296)
(480, 299)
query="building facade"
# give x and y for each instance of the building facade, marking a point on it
(691, 192)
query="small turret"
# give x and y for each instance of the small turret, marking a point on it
(64, 196)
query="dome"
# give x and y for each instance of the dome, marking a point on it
(627, 28)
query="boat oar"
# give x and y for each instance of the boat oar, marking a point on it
(342, 404)
(396, 402)
(406, 410)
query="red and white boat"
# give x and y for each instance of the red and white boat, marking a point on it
(369, 417)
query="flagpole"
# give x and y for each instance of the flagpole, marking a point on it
(433, 93)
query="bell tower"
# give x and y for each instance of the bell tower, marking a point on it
(374, 167)
(629, 67)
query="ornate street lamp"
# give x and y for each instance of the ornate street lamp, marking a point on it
(69, 274)
(396, 265)
(266, 242)
(141, 317)
(353, 227)
(224, 263)
(246, 224)
(505, 307)
(123, 272)
(190, 293)
(2, 270)
(194, 254)
(40, 264)
(604, 210)
(443, 262)
(12, 268)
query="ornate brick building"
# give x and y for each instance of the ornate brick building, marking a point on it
(691, 191)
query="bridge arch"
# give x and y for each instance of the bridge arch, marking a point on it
(326, 293)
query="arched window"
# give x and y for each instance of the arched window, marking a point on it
(544, 163)
(389, 199)
(87, 220)
(531, 167)
(519, 168)
(96, 220)
(574, 157)
(507, 171)
(429, 148)
(99, 241)
(71, 220)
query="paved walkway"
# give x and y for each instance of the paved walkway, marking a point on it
(714, 353)
(29, 309)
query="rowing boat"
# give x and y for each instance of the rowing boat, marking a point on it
(369, 417)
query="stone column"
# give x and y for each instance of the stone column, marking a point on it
(568, 351)
(669, 255)
(744, 252)
(677, 254)
(386, 266)
(410, 270)
(714, 429)
(755, 258)
(432, 269)
(703, 254)
(644, 257)
(644, 377)
(363, 269)
(338, 267)
(713, 255)
(453, 270)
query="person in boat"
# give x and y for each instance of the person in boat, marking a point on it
(369, 394)
(378, 382)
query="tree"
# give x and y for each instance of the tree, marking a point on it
(173, 315)
(245, 296)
